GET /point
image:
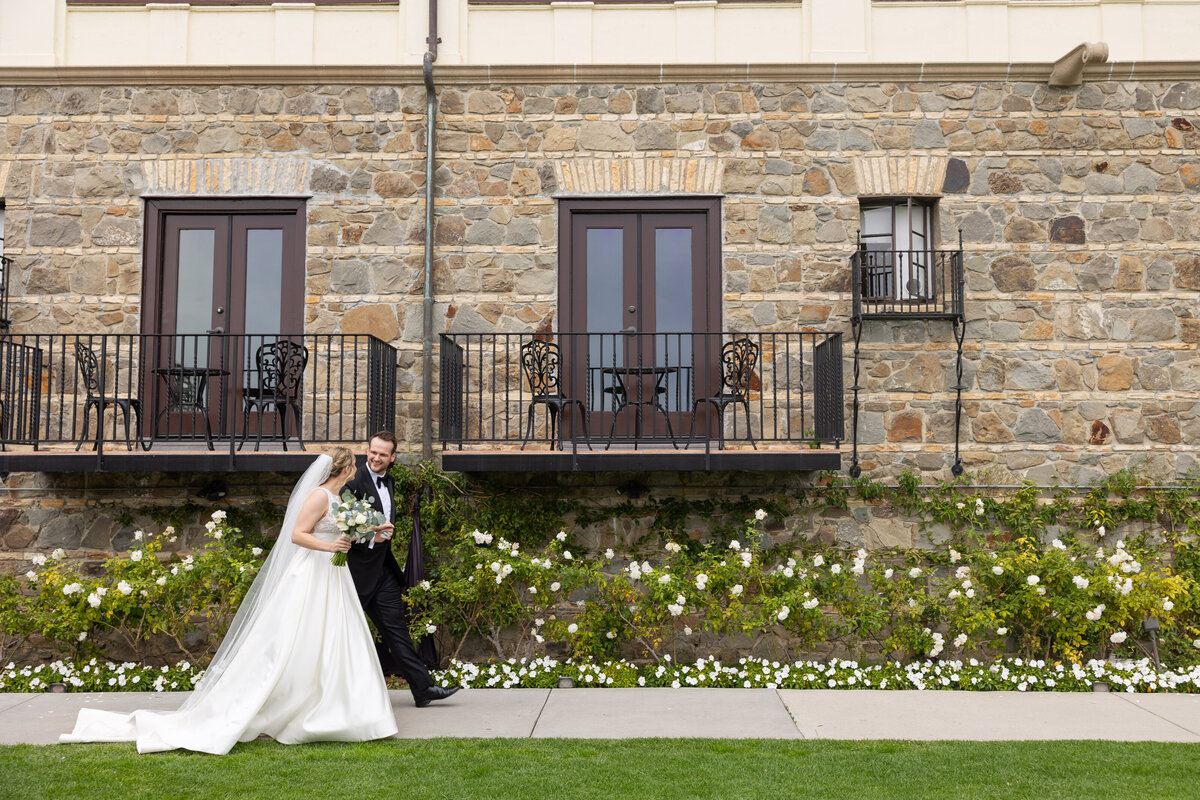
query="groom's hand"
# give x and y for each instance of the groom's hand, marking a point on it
(384, 532)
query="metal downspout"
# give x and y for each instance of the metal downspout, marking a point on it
(427, 303)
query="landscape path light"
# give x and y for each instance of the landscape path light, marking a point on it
(1150, 625)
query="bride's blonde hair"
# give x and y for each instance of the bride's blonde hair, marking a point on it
(342, 458)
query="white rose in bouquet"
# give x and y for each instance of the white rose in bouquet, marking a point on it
(356, 519)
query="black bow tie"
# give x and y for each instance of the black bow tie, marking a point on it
(382, 482)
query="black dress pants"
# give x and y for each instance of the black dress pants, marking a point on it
(389, 612)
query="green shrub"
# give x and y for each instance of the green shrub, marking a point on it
(996, 587)
(139, 597)
(1060, 601)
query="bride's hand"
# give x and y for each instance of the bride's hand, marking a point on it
(341, 544)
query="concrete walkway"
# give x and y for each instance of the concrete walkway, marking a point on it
(712, 713)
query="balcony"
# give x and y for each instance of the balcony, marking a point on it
(562, 402)
(148, 402)
(907, 284)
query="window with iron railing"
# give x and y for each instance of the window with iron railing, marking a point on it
(894, 240)
(898, 268)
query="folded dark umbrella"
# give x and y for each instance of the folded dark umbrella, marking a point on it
(414, 573)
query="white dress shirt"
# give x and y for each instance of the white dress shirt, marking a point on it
(385, 499)
(385, 496)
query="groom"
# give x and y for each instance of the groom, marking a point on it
(378, 578)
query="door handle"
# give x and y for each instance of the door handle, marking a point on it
(216, 330)
(632, 309)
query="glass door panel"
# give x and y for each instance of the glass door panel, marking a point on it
(913, 262)
(195, 283)
(196, 260)
(877, 246)
(673, 313)
(674, 271)
(264, 306)
(606, 248)
(605, 270)
(264, 280)
(264, 296)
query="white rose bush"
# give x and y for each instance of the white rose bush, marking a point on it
(963, 601)
(1081, 602)
(497, 590)
(137, 597)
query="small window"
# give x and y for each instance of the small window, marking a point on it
(895, 242)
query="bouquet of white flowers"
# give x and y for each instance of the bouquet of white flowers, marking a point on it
(355, 518)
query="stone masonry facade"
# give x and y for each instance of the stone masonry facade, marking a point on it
(1078, 210)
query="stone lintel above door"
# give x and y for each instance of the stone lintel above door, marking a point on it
(900, 176)
(640, 176)
(228, 177)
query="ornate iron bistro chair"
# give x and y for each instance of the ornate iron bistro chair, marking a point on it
(541, 365)
(738, 360)
(280, 368)
(93, 381)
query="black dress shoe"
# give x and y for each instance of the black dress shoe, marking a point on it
(435, 693)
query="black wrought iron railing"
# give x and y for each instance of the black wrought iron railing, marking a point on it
(906, 284)
(5, 268)
(900, 284)
(625, 389)
(232, 389)
(20, 392)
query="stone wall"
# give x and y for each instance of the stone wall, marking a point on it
(1077, 207)
(93, 516)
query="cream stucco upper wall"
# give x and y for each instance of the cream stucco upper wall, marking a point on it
(47, 33)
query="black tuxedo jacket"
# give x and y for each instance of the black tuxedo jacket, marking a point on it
(369, 564)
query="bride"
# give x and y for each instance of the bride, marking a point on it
(298, 663)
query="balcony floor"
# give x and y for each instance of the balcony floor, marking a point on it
(194, 457)
(655, 459)
(162, 457)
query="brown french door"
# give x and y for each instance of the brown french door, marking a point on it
(217, 267)
(640, 284)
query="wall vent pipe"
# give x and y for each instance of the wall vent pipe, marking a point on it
(1068, 70)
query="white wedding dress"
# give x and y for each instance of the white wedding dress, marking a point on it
(303, 669)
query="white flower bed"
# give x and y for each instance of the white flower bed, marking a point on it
(1012, 674)
(753, 673)
(100, 676)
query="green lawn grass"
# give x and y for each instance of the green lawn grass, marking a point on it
(646, 769)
